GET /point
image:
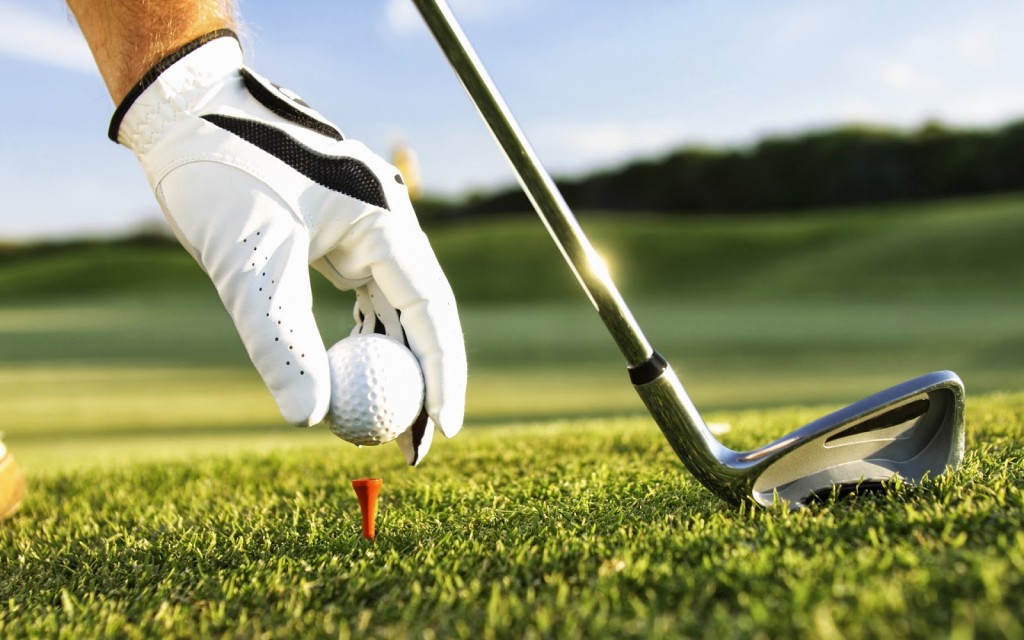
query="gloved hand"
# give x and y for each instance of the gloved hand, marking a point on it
(258, 187)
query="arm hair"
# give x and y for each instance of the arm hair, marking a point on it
(128, 37)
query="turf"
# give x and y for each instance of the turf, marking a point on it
(577, 528)
(168, 499)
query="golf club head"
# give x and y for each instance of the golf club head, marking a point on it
(912, 430)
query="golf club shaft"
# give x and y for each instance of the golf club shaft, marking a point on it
(538, 185)
(795, 467)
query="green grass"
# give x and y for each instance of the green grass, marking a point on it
(167, 498)
(577, 528)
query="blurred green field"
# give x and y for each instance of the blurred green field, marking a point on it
(115, 351)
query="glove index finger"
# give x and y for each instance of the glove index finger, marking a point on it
(257, 258)
(286, 346)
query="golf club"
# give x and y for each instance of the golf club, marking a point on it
(912, 430)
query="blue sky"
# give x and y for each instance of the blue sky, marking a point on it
(593, 83)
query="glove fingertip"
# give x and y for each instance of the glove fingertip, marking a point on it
(308, 416)
(305, 403)
(306, 419)
(415, 441)
(449, 420)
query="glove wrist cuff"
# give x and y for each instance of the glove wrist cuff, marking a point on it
(202, 61)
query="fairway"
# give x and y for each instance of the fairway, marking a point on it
(167, 496)
(574, 528)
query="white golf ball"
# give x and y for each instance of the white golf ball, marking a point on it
(376, 389)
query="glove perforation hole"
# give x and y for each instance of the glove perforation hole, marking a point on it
(266, 258)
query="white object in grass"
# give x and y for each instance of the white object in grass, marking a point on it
(376, 389)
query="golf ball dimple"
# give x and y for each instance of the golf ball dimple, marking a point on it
(376, 389)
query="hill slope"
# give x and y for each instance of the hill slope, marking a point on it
(916, 251)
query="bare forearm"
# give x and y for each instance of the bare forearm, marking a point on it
(128, 37)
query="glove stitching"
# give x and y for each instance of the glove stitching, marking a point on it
(235, 162)
(153, 74)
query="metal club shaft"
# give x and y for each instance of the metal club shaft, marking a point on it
(535, 181)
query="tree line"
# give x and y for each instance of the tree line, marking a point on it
(850, 165)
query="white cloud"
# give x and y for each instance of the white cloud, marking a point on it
(860, 110)
(976, 45)
(899, 75)
(401, 17)
(588, 145)
(962, 71)
(39, 38)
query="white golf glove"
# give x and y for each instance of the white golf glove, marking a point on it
(258, 187)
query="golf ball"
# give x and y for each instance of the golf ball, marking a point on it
(376, 389)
